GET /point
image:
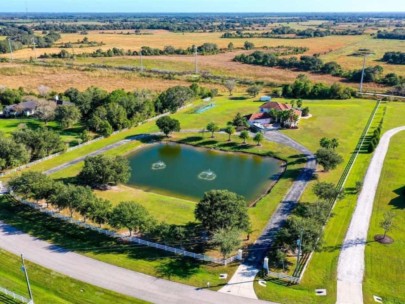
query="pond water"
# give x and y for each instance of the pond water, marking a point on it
(187, 172)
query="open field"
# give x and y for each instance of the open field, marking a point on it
(60, 79)
(51, 287)
(331, 48)
(378, 46)
(384, 263)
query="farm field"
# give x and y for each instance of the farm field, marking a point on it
(51, 287)
(337, 48)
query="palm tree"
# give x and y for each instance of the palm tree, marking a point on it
(212, 127)
(258, 138)
(244, 135)
(229, 130)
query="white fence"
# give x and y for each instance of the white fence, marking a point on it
(14, 296)
(110, 233)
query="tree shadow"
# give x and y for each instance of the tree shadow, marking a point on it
(179, 267)
(191, 139)
(399, 201)
(229, 145)
(209, 142)
(238, 98)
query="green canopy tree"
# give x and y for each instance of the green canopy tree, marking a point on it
(328, 159)
(229, 130)
(259, 137)
(227, 240)
(222, 209)
(12, 154)
(130, 215)
(67, 116)
(253, 90)
(168, 125)
(244, 135)
(326, 191)
(101, 211)
(173, 98)
(212, 127)
(101, 171)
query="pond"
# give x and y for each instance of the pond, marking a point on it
(187, 172)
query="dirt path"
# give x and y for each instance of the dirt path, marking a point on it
(351, 260)
(241, 283)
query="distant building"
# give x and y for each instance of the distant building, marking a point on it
(265, 98)
(26, 108)
(269, 114)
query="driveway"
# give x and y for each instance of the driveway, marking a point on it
(351, 260)
(241, 283)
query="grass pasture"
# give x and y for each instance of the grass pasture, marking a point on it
(51, 287)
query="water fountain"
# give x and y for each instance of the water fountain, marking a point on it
(158, 165)
(207, 175)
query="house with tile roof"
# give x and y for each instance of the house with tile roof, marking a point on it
(272, 112)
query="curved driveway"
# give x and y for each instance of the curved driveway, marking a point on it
(241, 283)
(351, 259)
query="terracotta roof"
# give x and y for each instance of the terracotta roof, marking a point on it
(276, 106)
(298, 112)
(256, 116)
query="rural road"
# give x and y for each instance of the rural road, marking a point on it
(241, 283)
(351, 260)
(108, 276)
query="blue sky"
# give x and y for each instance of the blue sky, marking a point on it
(202, 5)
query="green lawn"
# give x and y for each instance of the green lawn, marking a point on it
(321, 271)
(51, 287)
(385, 264)
(134, 257)
(9, 125)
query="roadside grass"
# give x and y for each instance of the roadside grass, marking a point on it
(321, 271)
(385, 266)
(130, 256)
(51, 287)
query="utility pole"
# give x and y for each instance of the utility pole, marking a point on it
(195, 60)
(140, 55)
(362, 74)
(11, 49)
(33, 45)
(24, 269)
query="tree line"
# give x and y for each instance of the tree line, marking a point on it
(220, 213)
(394, 57)
(20, 36)
(398, 34)
(26, 145)
(302, 87)
(280, 32)
(316, 65)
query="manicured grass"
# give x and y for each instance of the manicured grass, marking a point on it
(9, 125)
(321, 271)
(134, 257)
(51, 287)
(385, 266)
